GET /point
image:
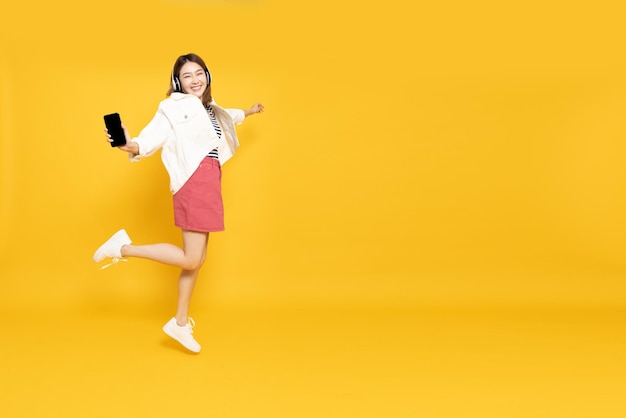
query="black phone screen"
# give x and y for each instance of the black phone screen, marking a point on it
(113, 124)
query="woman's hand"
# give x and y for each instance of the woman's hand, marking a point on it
(130, 147)
(256, 108)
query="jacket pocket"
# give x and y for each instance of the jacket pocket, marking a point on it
(185, 116)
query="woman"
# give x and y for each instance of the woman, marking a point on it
(196, 138)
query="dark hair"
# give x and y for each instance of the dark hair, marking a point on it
(182, 60)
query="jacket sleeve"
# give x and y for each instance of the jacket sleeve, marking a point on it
(152, 136)
(237, 115)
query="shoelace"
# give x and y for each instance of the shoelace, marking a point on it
(190, 325)
(114, 261)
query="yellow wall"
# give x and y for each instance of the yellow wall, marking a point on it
(452, 152)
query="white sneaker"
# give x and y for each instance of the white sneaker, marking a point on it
(113, 247)
(182, 334)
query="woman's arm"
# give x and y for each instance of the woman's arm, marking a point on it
(151, 138)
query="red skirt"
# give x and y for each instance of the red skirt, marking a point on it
(198, 204)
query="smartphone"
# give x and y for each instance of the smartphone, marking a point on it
(113, 123)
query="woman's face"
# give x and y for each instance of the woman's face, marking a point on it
(193, 79)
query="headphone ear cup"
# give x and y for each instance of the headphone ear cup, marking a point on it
(176, 84)
(208, 76)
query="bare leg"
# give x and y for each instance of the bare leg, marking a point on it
(190, 257)
(187, 280)
(186, 284)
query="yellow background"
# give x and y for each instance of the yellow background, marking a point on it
(413, 158)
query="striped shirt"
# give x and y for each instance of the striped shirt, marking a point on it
(218, 130)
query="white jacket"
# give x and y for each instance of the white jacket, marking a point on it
(182, 128)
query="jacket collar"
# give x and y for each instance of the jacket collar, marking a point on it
(180, 96)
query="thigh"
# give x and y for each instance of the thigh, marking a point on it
(194, 244)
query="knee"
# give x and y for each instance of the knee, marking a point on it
(193, 263)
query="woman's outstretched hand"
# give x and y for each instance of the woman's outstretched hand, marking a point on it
(256, 108)
(130, 147)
